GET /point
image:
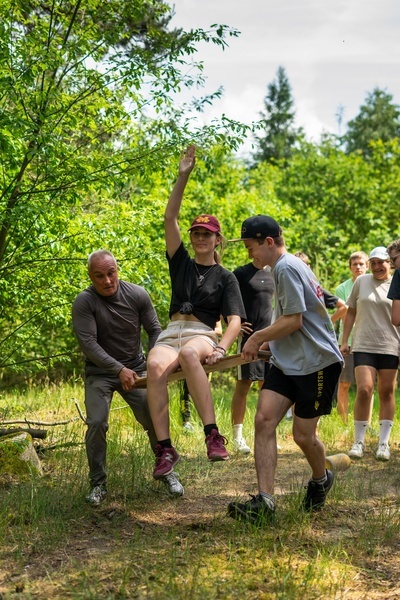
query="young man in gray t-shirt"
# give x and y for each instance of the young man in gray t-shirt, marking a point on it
(305, 366)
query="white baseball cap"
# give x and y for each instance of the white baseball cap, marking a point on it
(379, 252)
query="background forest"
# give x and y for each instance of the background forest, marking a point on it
(90, 134)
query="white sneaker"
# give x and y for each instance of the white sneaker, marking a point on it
(173, 485)
(383, 452)
(187, 427)
(357, 450)
(241, 446)
(96, 495)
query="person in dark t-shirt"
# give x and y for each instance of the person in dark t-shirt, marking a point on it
(202, 291)
(107, 319)
(257, 289)
(394, 291)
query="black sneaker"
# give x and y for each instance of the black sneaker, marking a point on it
(255, 511)
(317, 492)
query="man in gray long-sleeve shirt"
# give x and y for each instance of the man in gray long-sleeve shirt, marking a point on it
(107, 319)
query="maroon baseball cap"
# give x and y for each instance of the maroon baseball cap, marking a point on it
(208, 222)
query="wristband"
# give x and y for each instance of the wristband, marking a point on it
(221, 349)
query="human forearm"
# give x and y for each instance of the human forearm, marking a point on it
(282, 327)
(175, 200)
(396, 313)
(348, 325)
(340, 312)
(231, 332)
(97, 355)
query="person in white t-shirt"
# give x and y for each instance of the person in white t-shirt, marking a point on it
(375, 347)
(358, 266)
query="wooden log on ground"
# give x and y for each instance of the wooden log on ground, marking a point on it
(228, 362)
(35, 433)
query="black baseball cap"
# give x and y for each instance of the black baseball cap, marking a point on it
(259, 228)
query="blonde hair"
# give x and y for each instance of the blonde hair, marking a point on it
(303, 256)
(358, 254)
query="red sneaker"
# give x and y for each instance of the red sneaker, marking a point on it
(216, 446)
(166, 459)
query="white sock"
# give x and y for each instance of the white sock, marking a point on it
(238, 432)
(385, 429)
(360, 427)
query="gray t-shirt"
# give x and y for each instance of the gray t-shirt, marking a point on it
(373, 329)
(313, 347)
(108, 328)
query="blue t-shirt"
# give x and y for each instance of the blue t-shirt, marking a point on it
(312, 347)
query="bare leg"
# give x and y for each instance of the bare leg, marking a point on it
(238, 406)
(365, 381)
(343, 399)
(386, 391)
(305, 436)
(161, 362)
(191, 357)
(271, 409)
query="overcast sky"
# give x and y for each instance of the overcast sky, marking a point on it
(334, 53)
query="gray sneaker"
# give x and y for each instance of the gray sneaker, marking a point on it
(173, 485)
(96, 495)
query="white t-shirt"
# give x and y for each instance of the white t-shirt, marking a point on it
(373, 330)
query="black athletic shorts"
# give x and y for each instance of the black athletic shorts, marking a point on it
(312, 395)
(378, 361)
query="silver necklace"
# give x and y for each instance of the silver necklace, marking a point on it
(201, 278)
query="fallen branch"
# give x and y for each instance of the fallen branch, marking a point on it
(39, 423)
(35, 433)
(78, 408)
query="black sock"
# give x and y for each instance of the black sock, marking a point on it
(165, 443)
(208, 428)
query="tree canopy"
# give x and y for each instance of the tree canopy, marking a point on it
(277, 125)
(86, 107)
(90, 136)
(378, 119)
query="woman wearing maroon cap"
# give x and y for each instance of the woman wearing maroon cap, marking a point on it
(202, 290)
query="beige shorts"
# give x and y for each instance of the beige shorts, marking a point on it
(179, 332)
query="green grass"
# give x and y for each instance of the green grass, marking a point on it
(142, 544)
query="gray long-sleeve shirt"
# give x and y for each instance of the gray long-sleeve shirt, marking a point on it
(108, 328)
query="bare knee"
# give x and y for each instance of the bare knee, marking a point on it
(304, 439)
(264, 423)
(188, 356)
(364, 393)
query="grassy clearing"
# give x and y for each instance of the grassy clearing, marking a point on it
(142, 544)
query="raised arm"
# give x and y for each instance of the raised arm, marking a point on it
(172, 232)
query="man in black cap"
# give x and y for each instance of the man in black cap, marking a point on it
(305, 366)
